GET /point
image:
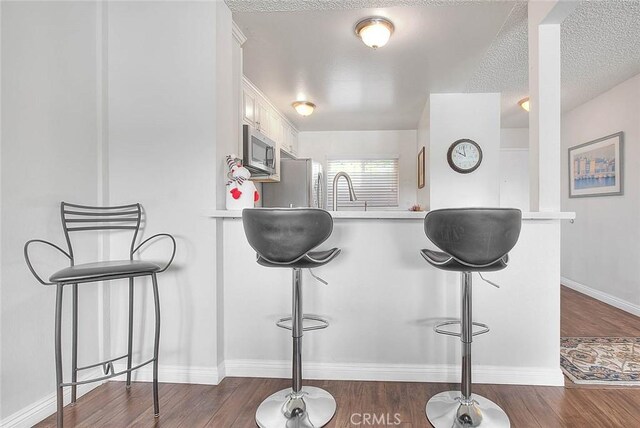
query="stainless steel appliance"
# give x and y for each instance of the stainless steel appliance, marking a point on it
(302, 184)
(259, 152)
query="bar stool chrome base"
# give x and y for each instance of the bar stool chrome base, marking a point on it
(445, 410)
(311, 408)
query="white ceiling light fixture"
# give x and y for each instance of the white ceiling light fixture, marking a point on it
(304, 108)
(524, 103)
(374, 31)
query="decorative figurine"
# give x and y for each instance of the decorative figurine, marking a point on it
(240, 191)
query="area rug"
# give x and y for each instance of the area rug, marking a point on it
(601, 360)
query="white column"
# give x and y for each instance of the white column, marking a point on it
(544, 93)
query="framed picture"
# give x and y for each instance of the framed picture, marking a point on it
(421, 169)
(595, 168)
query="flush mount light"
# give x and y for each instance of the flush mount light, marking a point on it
(374, 31)
(304, 108)
(524, 103)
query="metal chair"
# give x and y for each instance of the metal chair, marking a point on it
(284, 238)
(80, 218)
(471, 240)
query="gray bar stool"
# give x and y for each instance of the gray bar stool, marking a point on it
(78, 219)
(471, 240)
(284, 238)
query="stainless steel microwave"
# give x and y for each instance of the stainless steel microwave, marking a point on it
(259, 152)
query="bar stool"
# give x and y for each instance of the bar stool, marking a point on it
(471, 240)
(80, 219)
(284, 238)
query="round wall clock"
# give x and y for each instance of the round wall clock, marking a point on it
(464, 156)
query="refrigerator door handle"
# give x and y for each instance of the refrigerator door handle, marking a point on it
(319, 192)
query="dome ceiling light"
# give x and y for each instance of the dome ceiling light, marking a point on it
(304, 108)
(374, 31)
(524, 103)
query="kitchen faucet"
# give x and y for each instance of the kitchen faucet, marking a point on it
(352, 193)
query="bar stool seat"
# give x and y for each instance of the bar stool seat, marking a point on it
(113, 269)
(310, 260)
(446, 261)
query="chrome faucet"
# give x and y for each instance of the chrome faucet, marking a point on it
(352, 193)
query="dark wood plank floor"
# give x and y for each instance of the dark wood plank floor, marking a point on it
(232, 403)
(582, 316)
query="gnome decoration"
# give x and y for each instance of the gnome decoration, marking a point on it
(241, 192)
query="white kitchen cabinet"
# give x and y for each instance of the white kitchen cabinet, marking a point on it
(286, 137)
(275, 126)
(248, 107)
(263, 117)
(293, 137)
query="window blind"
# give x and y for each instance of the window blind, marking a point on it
(374, 181)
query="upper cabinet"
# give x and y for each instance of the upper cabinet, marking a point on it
(249, 108)
(259, 112)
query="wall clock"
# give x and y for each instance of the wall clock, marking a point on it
(464, 156)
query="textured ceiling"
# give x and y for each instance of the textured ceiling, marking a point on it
(300, 5)
(504, 68)
(600, 49)
(600, 44)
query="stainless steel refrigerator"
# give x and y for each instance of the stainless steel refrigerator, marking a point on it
(302, 184)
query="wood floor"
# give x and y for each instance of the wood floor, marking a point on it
(232, 403)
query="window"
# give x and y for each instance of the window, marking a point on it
(374, 181)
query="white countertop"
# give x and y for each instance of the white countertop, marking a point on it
(403, 215)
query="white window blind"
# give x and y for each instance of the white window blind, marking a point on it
(374, 181)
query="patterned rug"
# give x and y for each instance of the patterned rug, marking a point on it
(601, 360)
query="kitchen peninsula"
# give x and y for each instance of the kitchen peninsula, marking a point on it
(383, 300)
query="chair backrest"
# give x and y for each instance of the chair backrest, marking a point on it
(283, 235)
(82, 218)
(476, 236)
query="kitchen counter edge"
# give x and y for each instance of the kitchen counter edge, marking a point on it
(402, 215)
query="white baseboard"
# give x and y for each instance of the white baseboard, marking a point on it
(45, 407)
(397, 372)
(173, 374)
(602, 296)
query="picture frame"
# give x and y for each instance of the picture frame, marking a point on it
(421, 180)
(596, 167)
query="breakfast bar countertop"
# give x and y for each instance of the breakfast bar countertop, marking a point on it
(403, 215)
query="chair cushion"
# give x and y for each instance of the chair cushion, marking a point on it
(310, 260)
(89, 272)
(445, 261)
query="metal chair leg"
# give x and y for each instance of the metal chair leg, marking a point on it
(296, 331)
(298, 406)
(156, 344)
(74, 345)
(58, 347)
(130, 339)
(459, 409)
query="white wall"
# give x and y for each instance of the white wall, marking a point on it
(423, 136)
(456, 116)
(600, 250)
(163, 127)
(382, 302)
(319, 145)
(49, 154)
(514, 168)
(514, 138)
